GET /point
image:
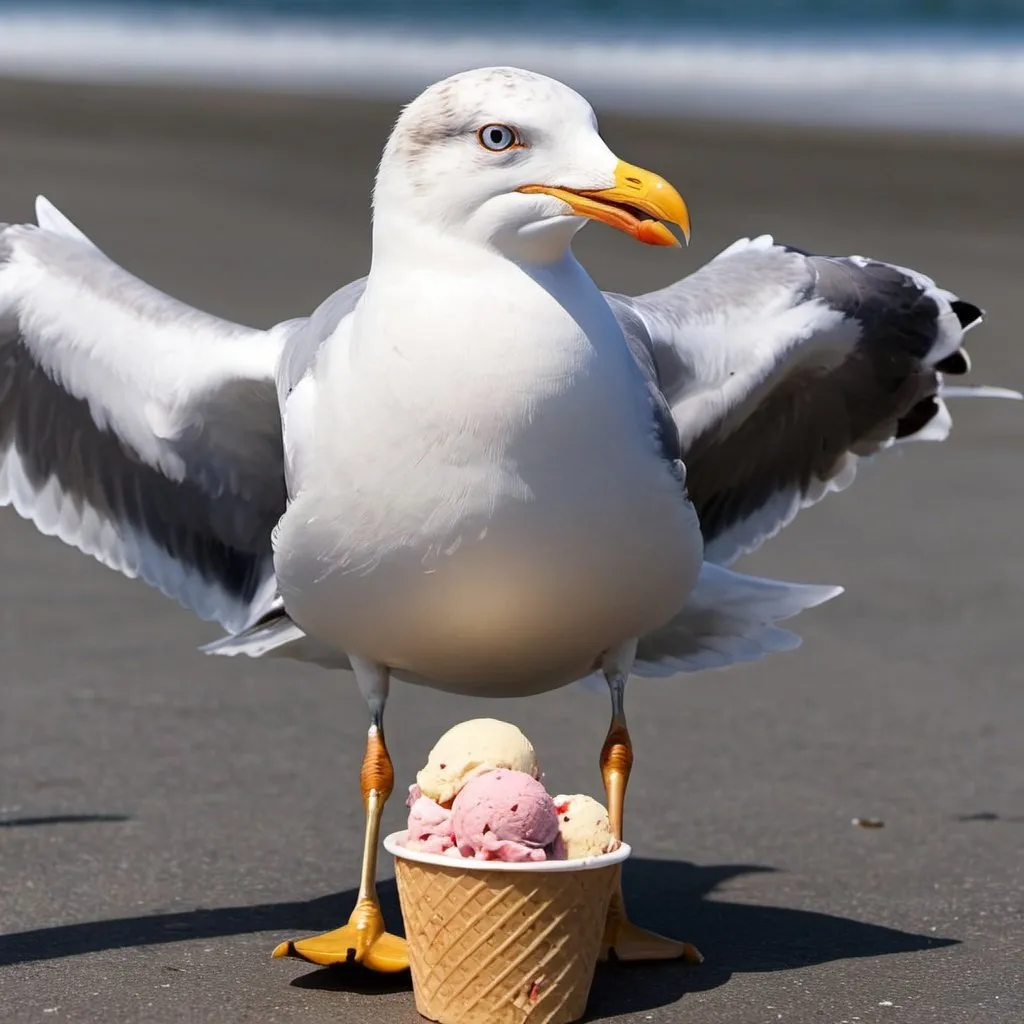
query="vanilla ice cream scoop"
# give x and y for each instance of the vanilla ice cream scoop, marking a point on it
(584, 826)
(469, 748)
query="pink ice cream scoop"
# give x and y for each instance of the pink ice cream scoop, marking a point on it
(505, 815)
(430, 824)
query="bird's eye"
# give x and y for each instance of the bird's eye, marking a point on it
(497, 137)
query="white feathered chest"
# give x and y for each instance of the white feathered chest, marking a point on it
(484, 498)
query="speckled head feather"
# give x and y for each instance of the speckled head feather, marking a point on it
(435, 170)
(455, 105)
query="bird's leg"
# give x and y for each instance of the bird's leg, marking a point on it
(363, 940)
(622, 938)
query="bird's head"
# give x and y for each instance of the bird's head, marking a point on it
(514, 160)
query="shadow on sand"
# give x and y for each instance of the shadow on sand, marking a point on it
(669, 896)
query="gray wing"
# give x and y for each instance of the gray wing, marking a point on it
(295, 385)
(783, 369)
(135, 428)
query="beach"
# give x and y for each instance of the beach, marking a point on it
(166, 819)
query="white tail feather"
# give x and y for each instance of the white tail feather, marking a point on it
(256, 642)
(728, 619)
(277, 638)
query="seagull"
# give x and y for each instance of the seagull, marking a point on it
(471, 469)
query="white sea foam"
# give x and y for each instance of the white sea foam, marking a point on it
(931, 85)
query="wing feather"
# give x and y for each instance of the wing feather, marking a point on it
(135, 428)
(783, 370)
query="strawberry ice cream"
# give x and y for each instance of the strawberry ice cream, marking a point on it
(505, 815)
(430, 824)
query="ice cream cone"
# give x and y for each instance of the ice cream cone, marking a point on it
(503, 943)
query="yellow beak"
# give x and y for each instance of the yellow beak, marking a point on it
(636, 192)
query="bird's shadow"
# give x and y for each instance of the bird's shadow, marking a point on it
(668, 896)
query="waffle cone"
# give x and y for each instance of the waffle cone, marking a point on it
(503, 946)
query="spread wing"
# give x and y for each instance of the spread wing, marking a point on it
(135, 428)
(784, 369)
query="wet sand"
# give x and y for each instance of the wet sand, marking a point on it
(166, 818)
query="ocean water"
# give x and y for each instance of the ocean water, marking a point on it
(951, 65)
(606, 15)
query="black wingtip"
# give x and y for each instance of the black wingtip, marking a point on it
(956, 364)
(967, 313)
(918, 417)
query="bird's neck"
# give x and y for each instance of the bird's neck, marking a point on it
(407, 242)
(404, 245)
(426, 287)
(423, 274)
